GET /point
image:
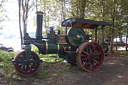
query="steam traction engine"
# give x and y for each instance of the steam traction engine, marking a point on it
(72, 46)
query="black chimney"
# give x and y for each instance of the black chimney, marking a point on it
(39, 25)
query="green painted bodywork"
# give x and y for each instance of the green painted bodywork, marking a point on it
(54, 48)
(76, 36)
(28, 52)
(62, 39)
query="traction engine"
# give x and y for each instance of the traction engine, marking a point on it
(73, 46)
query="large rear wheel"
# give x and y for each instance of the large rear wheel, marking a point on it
(90, 57)
(26, 69)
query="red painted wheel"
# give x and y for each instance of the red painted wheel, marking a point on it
(90, 56)
(29, 68)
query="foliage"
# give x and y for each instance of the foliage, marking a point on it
(25, 8)
(51, 9)
(78, 8)
(113, 11)
(1, 2)
(3, 16)
(100, 10)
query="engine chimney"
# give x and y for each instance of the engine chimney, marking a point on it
(39, 25)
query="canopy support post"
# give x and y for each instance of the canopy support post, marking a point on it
(66, 29)
(102, 34)
(96, 34)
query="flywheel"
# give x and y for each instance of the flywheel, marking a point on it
(76, 36)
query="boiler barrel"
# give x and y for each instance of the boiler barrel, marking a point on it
(53, 48)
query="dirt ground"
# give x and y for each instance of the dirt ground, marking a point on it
(113, 72)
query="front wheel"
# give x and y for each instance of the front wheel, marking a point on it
(90, 56)
(26, 69)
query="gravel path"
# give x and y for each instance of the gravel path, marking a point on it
(113, 72)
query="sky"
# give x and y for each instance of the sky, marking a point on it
(11, 26)
(12, 12)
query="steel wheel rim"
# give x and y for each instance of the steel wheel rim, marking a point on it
(90, 57)
(26, 69)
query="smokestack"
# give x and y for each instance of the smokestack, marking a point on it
(39, 25)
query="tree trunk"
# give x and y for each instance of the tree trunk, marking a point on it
(1, 3)
(25, 9)
(127, 39)
(63, 15)
(120, 38)
(78, 8)
(112, 38)
(116, 42)
(82, 8)
(19, 3)
(112, 30)
(102, 11)
(111, 45)
(116, 38)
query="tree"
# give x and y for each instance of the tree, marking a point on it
(124, 13)
(54, 13)
(19, 4)
(2, 10)
(25, 7)
(113, 11)
(108, 11)
(78, 8)
(63, 9)
(1, 2)
(25, 10)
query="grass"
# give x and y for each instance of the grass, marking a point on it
(48, 70)
(5, 62)
(6, 67)
(121, 51)
(7, 71)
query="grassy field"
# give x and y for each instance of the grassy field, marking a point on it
(7, 71)
(6, 67)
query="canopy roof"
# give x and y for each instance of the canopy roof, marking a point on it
(84, 23)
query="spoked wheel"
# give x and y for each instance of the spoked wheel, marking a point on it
(26, 69)
(90, 56)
